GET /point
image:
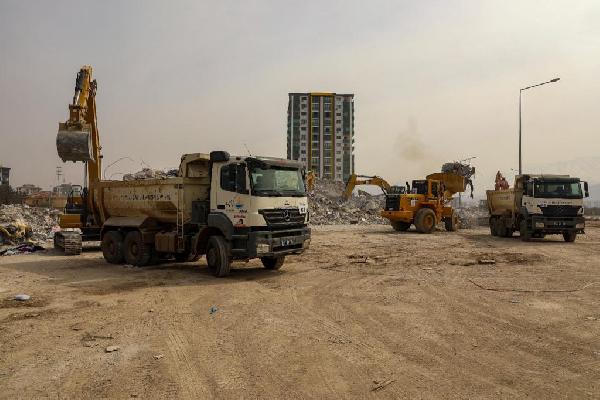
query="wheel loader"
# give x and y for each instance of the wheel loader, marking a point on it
(426, 203)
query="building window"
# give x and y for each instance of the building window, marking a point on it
(315, 129)
(315, 121)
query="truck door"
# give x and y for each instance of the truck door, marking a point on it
(233, 198)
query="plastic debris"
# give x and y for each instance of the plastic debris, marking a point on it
(22, 297)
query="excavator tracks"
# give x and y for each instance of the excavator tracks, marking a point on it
(69, 242)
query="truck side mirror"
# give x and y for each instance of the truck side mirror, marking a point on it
(586, 189)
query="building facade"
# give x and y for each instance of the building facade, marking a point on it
(320, 133)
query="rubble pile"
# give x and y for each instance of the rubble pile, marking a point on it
(149, 173)
(471, 217)
(20, 223)
(327, 207)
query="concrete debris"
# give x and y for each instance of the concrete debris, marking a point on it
(149, 173)
(22, 297)
(111, 349)
(20, 223)
(21, 249)
(327, 207)
(471, 217)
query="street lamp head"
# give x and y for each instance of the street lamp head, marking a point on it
(555, 80)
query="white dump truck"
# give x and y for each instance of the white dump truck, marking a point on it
(537, 206)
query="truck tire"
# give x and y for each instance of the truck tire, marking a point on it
(570, 236)
(524, 232)
(112, 247)
(400, 226)
(425, 220)
(217, 256)
(273, 262)
(493, 226)
(136, 251)
(451, 222)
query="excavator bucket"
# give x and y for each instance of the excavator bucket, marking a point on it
(74, 143)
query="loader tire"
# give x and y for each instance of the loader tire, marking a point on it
(136, 251)
(112, 247)
(217, 256)
(400, 226)
(273, 262)
(425, 220)
(451, 223)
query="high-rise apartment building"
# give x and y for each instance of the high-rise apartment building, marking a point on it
(321, 133)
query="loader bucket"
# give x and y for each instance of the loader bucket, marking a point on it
(74, 144)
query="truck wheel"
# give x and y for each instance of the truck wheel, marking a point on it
(451, 223)
(112, 247)
(524, 232)
(272, 262)
(425, 220)
(217, 256)
(570, 236)
(136, 251)
(400, 226)
(493, 228)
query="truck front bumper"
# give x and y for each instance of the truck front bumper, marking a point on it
(557, 224)
(278, 243)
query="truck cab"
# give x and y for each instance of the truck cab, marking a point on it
(550, 204)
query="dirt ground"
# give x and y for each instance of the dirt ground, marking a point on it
(366, 313)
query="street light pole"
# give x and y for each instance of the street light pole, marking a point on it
(520, 112)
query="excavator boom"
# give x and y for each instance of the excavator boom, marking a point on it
(356, 180)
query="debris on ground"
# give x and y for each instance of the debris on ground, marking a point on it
(21, 249)
(111, 349)
(158, 356)
(328, 208)
(380, 385)
(22, 297)
(213, 310)
(487, 261)
(20, 223)
(149, 173)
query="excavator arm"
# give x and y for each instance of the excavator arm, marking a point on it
(356, 180)
(78, 138)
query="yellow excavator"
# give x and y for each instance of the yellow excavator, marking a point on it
(357, 180)
(78, 140)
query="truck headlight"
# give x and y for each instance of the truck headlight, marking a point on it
(580, 226)
(263, 248)
(539, 224)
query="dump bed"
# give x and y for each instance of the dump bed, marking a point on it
(500, 201)
(160, 199)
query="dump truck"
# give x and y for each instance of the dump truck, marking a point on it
(426, 203)
(538, 205)
(225, 207)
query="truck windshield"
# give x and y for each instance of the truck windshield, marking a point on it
(558, 189)
(276, 181)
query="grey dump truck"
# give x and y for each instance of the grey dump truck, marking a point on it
(539, 205)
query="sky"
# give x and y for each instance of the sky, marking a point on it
(434, 81)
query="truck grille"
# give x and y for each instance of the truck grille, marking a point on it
(560, 211)
(282, 216)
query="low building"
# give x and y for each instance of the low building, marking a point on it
(28, 189)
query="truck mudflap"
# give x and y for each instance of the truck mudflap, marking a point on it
(557, 224)
(272, 243)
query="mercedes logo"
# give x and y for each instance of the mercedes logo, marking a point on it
(286, 215)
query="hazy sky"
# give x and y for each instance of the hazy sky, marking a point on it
(434, 81)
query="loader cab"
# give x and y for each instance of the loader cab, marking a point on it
(420, 186)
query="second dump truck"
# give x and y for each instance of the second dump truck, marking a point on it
(538, 205)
